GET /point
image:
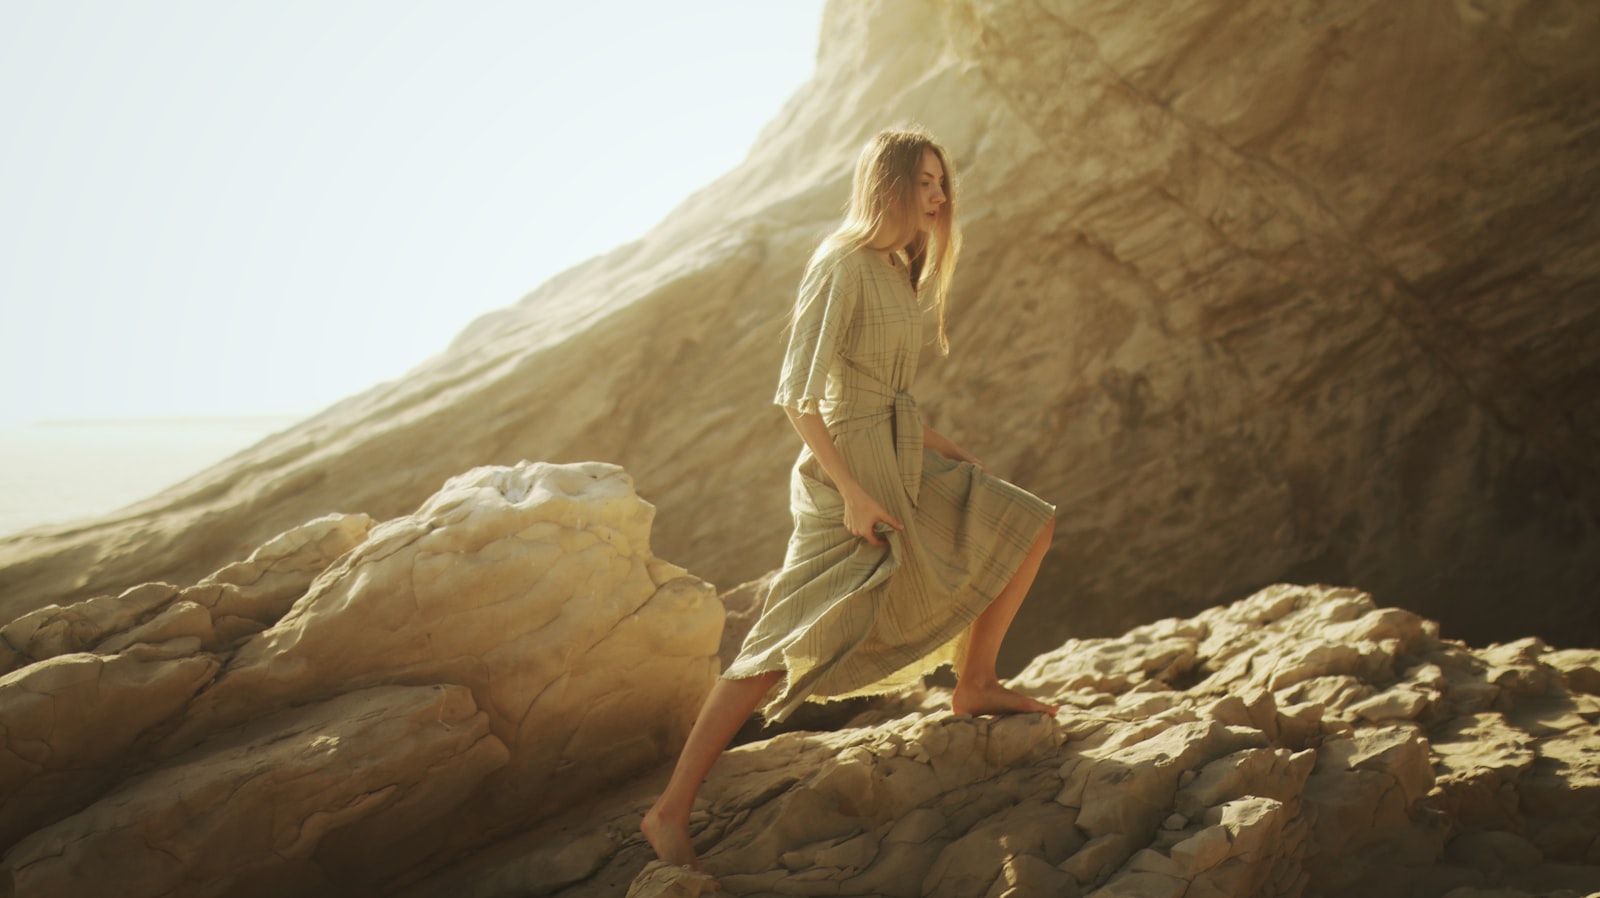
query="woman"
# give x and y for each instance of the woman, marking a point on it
(906, 553)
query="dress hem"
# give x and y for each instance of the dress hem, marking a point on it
(787, 698)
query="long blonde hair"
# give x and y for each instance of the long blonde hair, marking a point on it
(883, 198)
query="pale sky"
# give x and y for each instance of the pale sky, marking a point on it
(262, 206)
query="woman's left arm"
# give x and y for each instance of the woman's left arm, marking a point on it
(941, 444)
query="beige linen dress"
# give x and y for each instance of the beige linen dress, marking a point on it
(844, 617)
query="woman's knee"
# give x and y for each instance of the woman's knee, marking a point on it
(1048, 532)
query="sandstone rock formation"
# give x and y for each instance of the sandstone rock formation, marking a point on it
(1299, 742)
(1254, 291)
(353, 701)
(364, 709)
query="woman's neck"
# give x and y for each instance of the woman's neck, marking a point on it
(891, 255)
(886, 244)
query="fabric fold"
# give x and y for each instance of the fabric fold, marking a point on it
(901, 414)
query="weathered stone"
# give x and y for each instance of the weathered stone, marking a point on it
(54, 630)
(1271, 773)
(1478, 760)
(1159, 790)
(1190, 754)
(533, 586)
(1251, 291)
(1392, 705)
(1579, 667)
(661, 881)
(1493, 851)
(238, 600)
(1517, 670)
(1142, 885)
(308, 800)
(176, 620)
(1243, 294)
(71, 722)
(521, 610)
(1027, 876)
(263, 586)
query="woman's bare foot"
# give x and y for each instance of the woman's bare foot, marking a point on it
(669, 836)
(994, 698)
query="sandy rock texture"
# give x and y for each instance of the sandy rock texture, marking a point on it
(355, 701)
(1253, 291)
(1299, 742)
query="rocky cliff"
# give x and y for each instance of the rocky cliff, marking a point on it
(479, 700)
(353, 701)
(1254, 291)
(1298, 742)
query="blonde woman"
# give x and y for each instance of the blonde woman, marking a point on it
(906, 553)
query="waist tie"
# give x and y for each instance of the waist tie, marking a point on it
(908, 443)
(903, 417)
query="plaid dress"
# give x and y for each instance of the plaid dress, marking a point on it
(845, 618)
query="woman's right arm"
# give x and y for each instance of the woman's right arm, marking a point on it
(861, 511)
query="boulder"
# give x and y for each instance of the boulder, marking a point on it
(405, 692)
(534, 587)
(75, 723)
(241, 599)
(307, 800)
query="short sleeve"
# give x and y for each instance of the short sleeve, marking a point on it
(828, 296)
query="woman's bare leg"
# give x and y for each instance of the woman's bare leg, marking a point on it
(666, 824)
(978, 690)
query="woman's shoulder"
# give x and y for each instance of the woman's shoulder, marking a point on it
(834, 260)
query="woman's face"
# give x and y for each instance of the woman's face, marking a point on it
(930, 190)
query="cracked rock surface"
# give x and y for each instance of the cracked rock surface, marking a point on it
(1252, 290)
(479, 700)
(1298, 742)
(354, 702)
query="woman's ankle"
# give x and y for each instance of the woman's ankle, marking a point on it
(666, 810)
(969, 681)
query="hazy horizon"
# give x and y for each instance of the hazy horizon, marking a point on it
(53, 472)
(216, 221)
(259, 209)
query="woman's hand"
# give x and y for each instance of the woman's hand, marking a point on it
(943, 445)
(862, 513)
(963, 455)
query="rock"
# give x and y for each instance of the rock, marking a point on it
(662, 881)
(73, 722)
(1252, 291)
(238, 600)
(533, 586)
(1199, 784)
(1580, 668)
(1492, 851)
(1399, 704)
(53, 630)
(1026, 876)
(512, 647)
(248, 596)
(299, 800)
